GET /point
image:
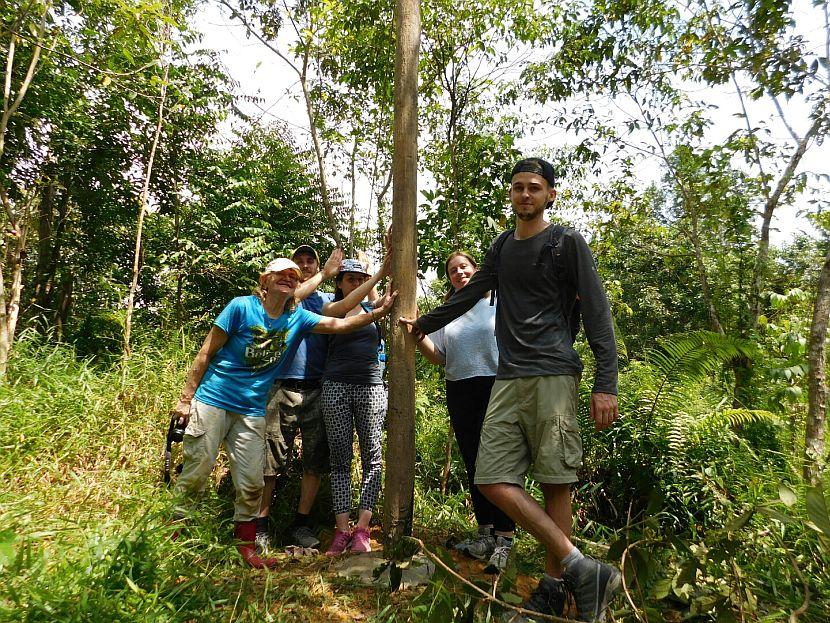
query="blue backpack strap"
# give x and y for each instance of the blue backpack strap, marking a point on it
(497, 245)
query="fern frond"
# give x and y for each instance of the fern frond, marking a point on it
(691, 356)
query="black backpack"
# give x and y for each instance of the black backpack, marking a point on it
(570, 299)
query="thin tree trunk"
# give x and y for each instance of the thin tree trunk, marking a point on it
(353, 204)
(45, 241)
(63, 305)
(814, 448)
(714, 319)
(145, 191)
(445, 473)
(400, 478)
(762, 257)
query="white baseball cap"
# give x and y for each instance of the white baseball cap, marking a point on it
(280, 264)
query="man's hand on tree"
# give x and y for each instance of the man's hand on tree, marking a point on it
(411, 328)
(604, 410)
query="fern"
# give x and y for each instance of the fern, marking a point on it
(689, 357)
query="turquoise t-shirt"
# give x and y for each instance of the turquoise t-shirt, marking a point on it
(258, 349)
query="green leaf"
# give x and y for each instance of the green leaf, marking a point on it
(787, 495)
(774, 514)
(7, 538)
(740, 522)
(511, 598)
(817, 509)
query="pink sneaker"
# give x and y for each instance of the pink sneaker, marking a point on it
(339, 544)
(360, 541)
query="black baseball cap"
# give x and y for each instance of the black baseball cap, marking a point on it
(537, 166)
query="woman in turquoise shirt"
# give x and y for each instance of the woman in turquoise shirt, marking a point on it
(223, 400)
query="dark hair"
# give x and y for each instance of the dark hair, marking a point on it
(451, 257)
(338, 292)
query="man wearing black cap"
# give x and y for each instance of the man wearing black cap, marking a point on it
(294, 401)
(540, 271)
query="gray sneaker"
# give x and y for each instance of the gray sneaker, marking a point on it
(262, 543)
(548, 597)
(498, 559)
(304, 537)
(593, 584)
(479, 547)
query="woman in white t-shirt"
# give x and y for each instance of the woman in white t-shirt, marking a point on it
(467, 349)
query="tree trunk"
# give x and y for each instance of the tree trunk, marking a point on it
(63, 304)
(45, 241)
(128, 321)
(817, 382)
(400, 450)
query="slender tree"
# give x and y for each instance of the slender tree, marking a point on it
(400, 476)
(814, 446)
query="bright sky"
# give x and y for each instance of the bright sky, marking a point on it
(272, 93)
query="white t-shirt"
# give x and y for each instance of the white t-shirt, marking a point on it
(468, 343)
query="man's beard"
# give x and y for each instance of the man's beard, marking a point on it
(529, 216)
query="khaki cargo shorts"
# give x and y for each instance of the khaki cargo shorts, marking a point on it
(287, 410)
(531, 420)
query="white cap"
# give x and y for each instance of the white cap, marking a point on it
(280, 264)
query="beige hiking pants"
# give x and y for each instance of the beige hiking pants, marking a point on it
(243, 436)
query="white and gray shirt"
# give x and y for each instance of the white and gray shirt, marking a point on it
(468, 343)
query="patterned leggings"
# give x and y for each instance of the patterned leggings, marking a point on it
(346, 406)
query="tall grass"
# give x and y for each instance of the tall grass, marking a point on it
(83, 517)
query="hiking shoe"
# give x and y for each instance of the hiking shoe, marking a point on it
(479, 548)
(360, 541)
(262, 543)
(304, 537)
(548, 597)
(340, 543)
(498, 559)
(593, 584)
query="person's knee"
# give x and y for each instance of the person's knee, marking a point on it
(553, 491)
(494, 492)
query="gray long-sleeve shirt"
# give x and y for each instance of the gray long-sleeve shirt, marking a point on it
(532, 330)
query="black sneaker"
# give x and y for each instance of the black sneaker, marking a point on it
(548, 597)
(593, 584)
(304, 537)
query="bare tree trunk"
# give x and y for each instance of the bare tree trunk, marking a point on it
(17, 219)
(762, 258)
(701, 268)
(445, 473)
(45, 241)
(400, 450)
(814, 448)
(145, 191)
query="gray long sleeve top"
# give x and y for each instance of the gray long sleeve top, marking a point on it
(532, 331)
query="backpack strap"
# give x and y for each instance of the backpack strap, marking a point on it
(369, 308)
(497, 245)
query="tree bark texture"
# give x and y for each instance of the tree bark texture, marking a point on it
(400, 450)
(814, 448)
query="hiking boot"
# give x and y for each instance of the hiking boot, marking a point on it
(360, 541)
(263, 543)
(593, 584)
(304, 537)
(498, 559)
(479, 547)
(340, 543)
(548, 597)
(245, 533)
